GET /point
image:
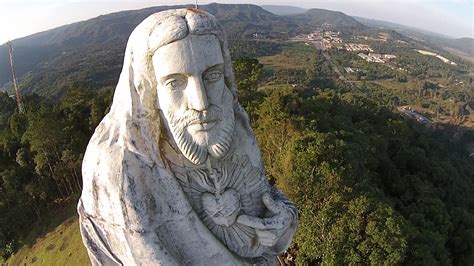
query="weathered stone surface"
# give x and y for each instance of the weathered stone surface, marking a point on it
(173, 174)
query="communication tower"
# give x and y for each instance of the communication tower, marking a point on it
(21, 108)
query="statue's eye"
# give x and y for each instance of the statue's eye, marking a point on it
(175, 83)
(213, 76)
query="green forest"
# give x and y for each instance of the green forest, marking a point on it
(41, 155)
(371, 187)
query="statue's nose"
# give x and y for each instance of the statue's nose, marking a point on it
(197, 95)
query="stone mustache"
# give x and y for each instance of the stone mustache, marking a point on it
(173, 174)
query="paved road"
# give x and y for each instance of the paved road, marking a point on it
(319, 45)
(341, 76)
(333, 65)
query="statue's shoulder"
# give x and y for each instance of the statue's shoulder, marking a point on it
(245, 143)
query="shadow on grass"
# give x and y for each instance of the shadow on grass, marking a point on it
(61, 211)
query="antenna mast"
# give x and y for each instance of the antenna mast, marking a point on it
(21, 108)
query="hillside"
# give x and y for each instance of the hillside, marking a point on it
(42, 54)
(61, 246)
(91, 51)
(55, 241)
(463, 44)
(318, 17)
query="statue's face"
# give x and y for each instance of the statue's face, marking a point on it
(194, 99)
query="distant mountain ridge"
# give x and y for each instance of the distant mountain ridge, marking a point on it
(283, 10)
(51, 59)
(395, 26)
(315, 16)
(465, 45)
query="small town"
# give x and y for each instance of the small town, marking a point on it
(376, 58)
(327, 39)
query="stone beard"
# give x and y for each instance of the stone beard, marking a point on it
(216, 143)
(173, 174)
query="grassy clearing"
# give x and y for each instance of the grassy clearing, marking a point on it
(270, 87)
(394, 85)
(277, 61)
(293, 56)
(61, 245)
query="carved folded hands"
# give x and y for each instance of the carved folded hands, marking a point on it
(275, 226)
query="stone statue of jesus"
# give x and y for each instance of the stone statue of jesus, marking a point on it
(173, 174)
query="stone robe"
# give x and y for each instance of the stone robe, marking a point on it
(140, 203)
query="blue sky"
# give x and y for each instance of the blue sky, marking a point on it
(453, 18)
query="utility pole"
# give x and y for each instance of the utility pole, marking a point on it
(21, 108)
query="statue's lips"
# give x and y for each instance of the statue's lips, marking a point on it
(203, 125)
